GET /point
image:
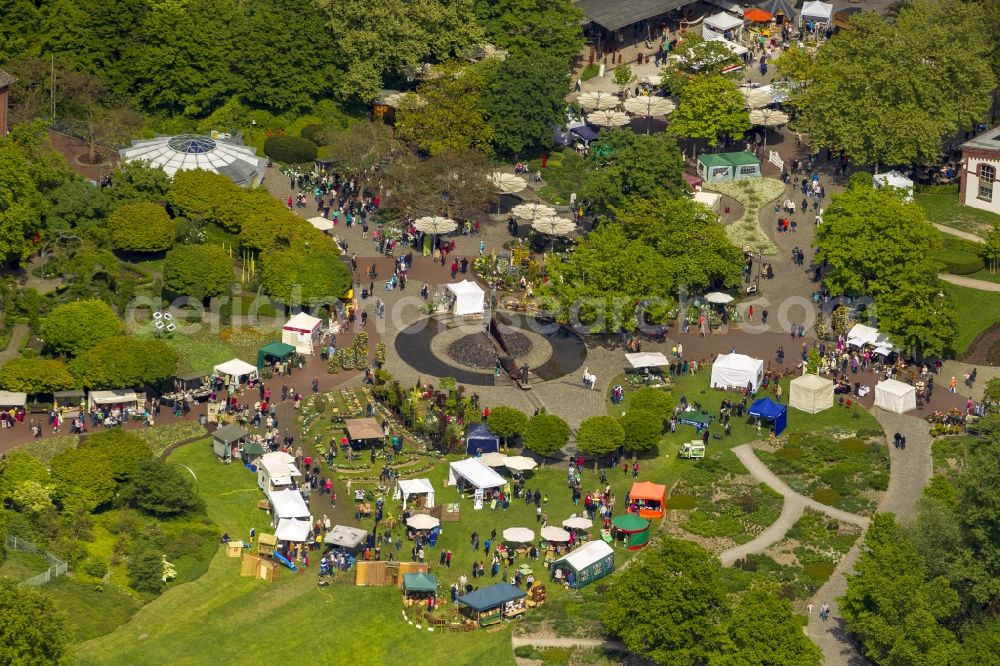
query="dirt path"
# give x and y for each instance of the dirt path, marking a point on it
(540, 641)
(957, 234)
(962, 281)
(17, 336)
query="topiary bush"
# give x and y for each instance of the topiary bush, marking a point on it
(958, 262)
(314, 132)
(290, 149)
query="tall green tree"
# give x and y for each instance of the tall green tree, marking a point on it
(35, 375)
(73, 328)
(138, 181)
(711, 106)
(32, 630)
(507, 422)
(198, 271)
(897, 611)
(545, 434)
(919, 316)
(991, 249)
(18, 468)
(125, 361)
(525, 98)
(876, 92)
(448, 112)
(979, 508)
(157, 488)
(312, 277)
(631, 164)
(123, 451)
(762, 630)
(531, 26)
(207, 197)
(668, 605)
(696, 55)
(21, 204)
(600, 435)
(141, 227)
(361, 150)
(643, 429)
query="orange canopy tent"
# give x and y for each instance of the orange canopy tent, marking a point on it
(650, 498)
(757, 15)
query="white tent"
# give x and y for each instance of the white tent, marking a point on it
(126, 397)
(469, 297)
(407, 487)
(895, 396)
(821, 12)
(236, 369)
(293, 529)
(711, 199)
(647, 360)
(321, 223)
(472, 472)
(13, 399)
(811, 393)
(719, 23)
(587, 554)
(861, 335)
(738, 49)
(301, 332)
(736, 370)
(894, 179)
(288, 504)
(345, 536)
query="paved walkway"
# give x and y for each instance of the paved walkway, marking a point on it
(543, 642)
(793, 508)
(17, 336)
(962, 281)
(956, 233)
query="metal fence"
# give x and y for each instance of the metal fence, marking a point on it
(57, 569)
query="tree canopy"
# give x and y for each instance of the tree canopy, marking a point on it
(600, 435)
(643, 429)
(313, 276)
(157, 488)
(73, 328)
(711, 106)
(447, 113)
(32, 630)
(762, 630)
(21, 203)
(35, 375)
(198, 271)
(525, 97)
(204, 196)
(507, 422)
(546, 433)
(123, 362)
(533, 26)
(892, 93)
(632, 165)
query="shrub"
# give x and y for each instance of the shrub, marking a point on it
(315, 132)
(958, 262)
(96, 567)
(141, 227)
(290, 149)
(680, 502)
(818, 571)
(589, 72)
(827, 496)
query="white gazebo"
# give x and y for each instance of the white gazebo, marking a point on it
(235, 370)
(810, 393)
(405, 488)
(895, 396)
(647, 360)
(321, 223)
(712, 200)
(472, 472)
(295, 530)
(217, 153)
(301, 332)
(718, 24)
(737, 370)
(124, 397)
(470, 298)
(287, 505)
(896, 180)
(819, 12)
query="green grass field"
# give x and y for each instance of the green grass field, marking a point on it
(945, 209)
(977, 311)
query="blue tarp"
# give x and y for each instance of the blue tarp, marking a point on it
(491, 597)
(765, 408)
(480, 439)
(585, 133)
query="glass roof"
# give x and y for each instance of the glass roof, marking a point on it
(192, 144)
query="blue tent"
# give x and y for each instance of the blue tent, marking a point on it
(765, 408)
(491, 597)
(480, 439)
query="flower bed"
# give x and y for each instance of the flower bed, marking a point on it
(161, 438)
(753, 194)
(47, 448)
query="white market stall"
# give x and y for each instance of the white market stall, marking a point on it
(287, 504)
(295, 530)
(895, 396)
(406, 488)
(345, 536)
(861, 335)
(737, 370)
(321, 223)
(818, 12)
(719, 24)
(472, 472)
(469, 298)
(301, 331)
(811, 393)
(647, 360)
(124, 398)
(236, 370)
(276, 471)
(896, 180)
(711, 199)
(13, 399)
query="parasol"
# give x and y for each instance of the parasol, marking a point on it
(598, 101)
(648, 106)
(756, 98)
(532, 211)
(553, 533)
(768, 118)
(608, 118)
(508, 183)
(518, 535)
(435, 224)
(578, 523)
(718, 298)
(520, 463)
(422, 521)
(493, 459)
(550, 225)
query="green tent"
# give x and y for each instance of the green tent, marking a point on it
(278, 350)
(420, 582)
(631, 529)
(252, 448)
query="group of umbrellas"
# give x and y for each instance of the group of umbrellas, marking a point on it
(603, 108)
(549, 532)
(513, 463)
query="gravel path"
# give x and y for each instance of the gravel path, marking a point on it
(962, 281)
(957, 234)
(543, 642)
(17, 336)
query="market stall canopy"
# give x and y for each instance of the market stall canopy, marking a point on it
(860, 335)
(758, 15)
(469, 297)
(586, 133)
(229, 434)
(895, 396)
(278, 350)
(253, 448)
(301, 331)
(894, 179)
(13, 399)
(817, 11)
(553, 533)
(508, 183)
(288, 504)
(587, 554)
(647, 359)
(435, 224)
(491, 597)
(736, 370)
(519, 463)
(722, 21)
(647, 490)
(578, 523)
(518, 535)
(321, 223)
(422, 521)
(737, 49)
(810, 393)
(474, 472)
(712, 200)
(615, 15)
(293, 529)
(784, 8)
(765, 408)
(302, 322)
(598, 101)
(345, 536)
(367, 428)
(420, 582)
(114, 397)
(279, 467)
(408, 487)
(236, 369)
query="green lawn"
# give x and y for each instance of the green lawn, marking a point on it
(977, 311)
(21, 566)
(945, 209)
(985, 275)
(92, 611)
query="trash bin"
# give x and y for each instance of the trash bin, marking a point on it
(203, 419)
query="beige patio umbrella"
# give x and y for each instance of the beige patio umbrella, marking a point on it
(435, 224)
(553, 533)
(518, 535)
(766, 118)
(532, 211)
(598, 101)
(422, 521)
(550, 225)
(608, 118)
(578, 523)
(756, 98)
(648, 106)
(507, 183)
(520, 463)
(493, 459)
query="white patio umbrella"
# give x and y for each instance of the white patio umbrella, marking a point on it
(756, 98)
(608, 118)
(434, 224)
(518, 535)
(768, 117)
(598, 101)
(553, 533)
(718, 298)
(550, 225)
(578, 523)
(493, 459)
(532, 211)
(520, 463)
(422, 521)
(648, 106)
(507, 183)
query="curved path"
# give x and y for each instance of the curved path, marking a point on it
(17, 336)
(962, 281)
(793, 508)
(965, 235)
(544, 642)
